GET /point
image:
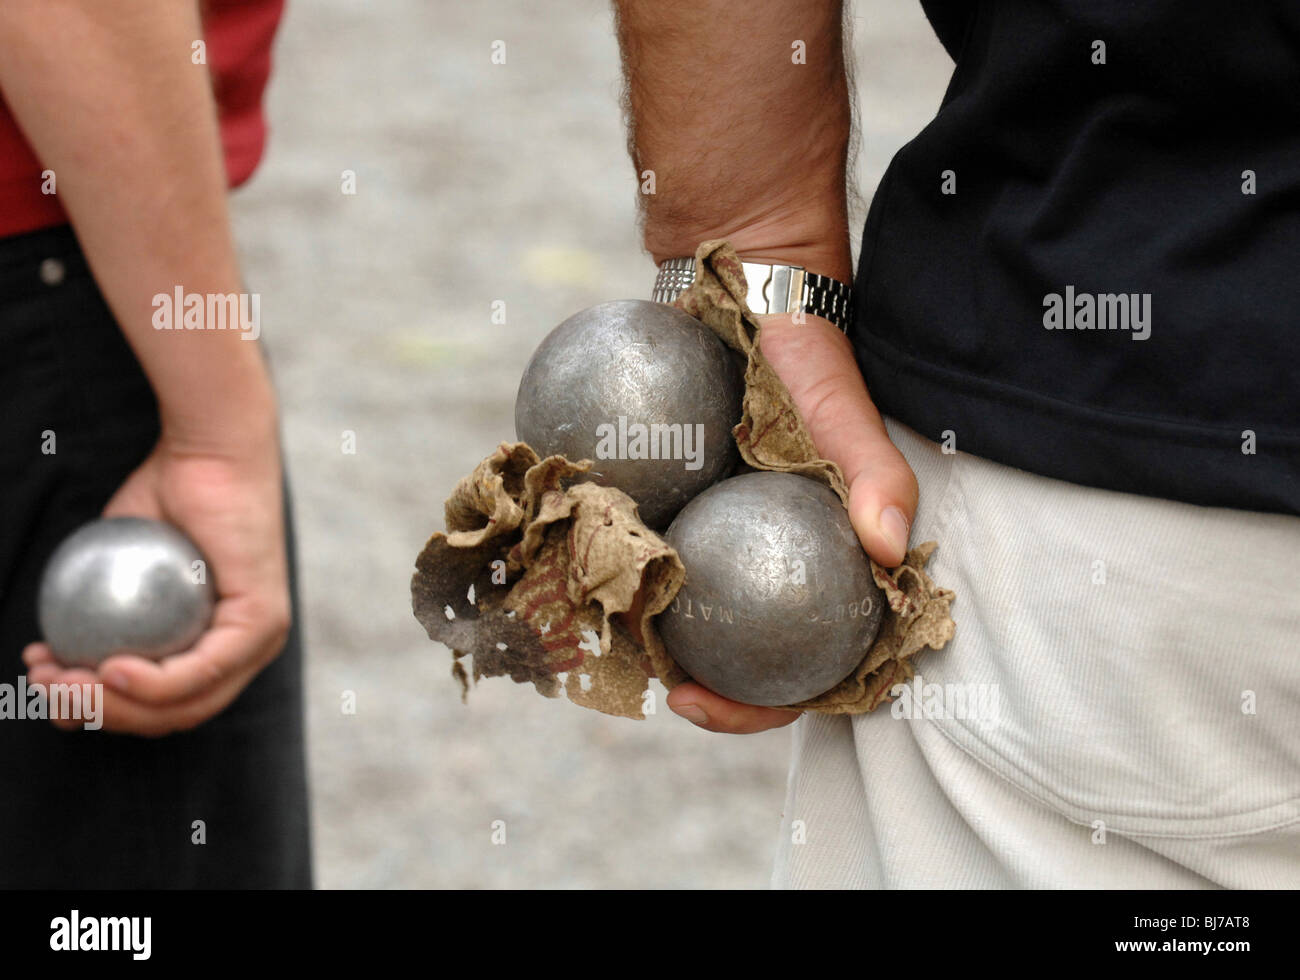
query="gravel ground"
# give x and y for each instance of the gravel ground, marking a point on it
(476, 183)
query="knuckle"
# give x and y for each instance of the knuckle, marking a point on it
(732, 720)
(819, 401)
(280, 624)
(151, 728)
(910, 487)
(171, 723)
(188, 721)
(213, 672)
(274, 619)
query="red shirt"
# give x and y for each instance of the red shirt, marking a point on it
(238, 34)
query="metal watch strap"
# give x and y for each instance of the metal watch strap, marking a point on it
(772, 289)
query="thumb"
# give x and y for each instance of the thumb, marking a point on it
(816, 363)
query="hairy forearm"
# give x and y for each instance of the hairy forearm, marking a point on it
(108, 97)
(744, 142)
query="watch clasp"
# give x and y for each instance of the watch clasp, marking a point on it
(774, 288)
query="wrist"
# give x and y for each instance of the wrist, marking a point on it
(816, 242)
(237, 419)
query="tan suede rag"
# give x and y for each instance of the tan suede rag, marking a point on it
(536, 566)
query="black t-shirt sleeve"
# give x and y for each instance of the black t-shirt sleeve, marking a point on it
(951, 19)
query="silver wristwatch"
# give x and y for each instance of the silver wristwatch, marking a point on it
(772, 289)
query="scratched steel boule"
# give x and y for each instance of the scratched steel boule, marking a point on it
(625, 364)
(123, 585)
(779, 604)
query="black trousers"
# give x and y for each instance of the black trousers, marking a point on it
(93, 809)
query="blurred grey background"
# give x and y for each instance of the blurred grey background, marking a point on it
(476, 183)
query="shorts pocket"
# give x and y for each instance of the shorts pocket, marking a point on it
(1119, 658)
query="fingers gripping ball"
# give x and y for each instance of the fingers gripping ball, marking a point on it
(124, 585)
(779, 604)
(645, 391)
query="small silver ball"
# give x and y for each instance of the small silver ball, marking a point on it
(124, 585)
(611, 374)
(779, 604)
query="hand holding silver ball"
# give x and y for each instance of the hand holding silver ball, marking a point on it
(779, 603)
(124, 585)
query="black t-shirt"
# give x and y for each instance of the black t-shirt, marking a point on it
(1088, 264)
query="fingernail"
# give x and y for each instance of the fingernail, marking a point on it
(117, 681)
(693, 713)
(893, 525)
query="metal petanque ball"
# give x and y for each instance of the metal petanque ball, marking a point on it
(779, 604)
(646, 392)
(123, 585)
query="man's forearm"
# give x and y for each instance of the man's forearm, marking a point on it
(745, 142)
(110, 100)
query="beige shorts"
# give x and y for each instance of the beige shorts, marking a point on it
(1120, 707)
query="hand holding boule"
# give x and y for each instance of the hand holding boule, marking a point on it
(229, 503)
(817, 365)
